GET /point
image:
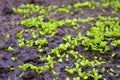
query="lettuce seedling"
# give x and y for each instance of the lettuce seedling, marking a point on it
(73, 54)
(20, 34)
(14, 58)
(24, 67)
(11, 68)
(103, 70)
(41, 41)
(10, 49)
(64, 46)
(56, 78)
(66, 57)
(29, 43)
(116, 43)
(34, 35)
(76, 78)
(37, 69)
(118, 66)
(95, 74)
(54, 72)
(85, 63)
(70, 71)
(8, 36)
(61, 57)
(83, 74)
(21, 43)
(106, 5)
(67, 38)
(63, 10)
(67, 78)
(90, 4)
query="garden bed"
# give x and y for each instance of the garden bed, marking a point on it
(59, 40)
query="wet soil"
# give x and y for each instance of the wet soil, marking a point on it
(29, 55)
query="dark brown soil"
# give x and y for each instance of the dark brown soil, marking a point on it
(28, 55)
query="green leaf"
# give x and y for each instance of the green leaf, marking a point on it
(10, 49)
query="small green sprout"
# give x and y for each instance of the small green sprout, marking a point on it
(85, 63)
(95, 74)
(90, 4)
(64, 46)
(60, 60)
(54, 72)
(83, 74)
(76, 78)
(29, 43)
(10, 49)
(67, 38)
(70, 71)
(41, 41)
(111, 70)
(73, 53)
(116, 43)
(118, 66)
(112, 55)
(67, 78)
(67, 57)
(24, 67)
(21, 75)
(14, 58)
(8, 36)
(106, 5)
(34, 35)
(21, 42)
(11, 68)
(63, 10)
(103, 70)
(21, 45)
(20, 34)
(56, 78)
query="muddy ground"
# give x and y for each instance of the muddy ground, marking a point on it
(7, 15)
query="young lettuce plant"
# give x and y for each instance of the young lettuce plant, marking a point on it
(20, 34)
(67, 78)
(29, 43)
(67, 38)
(65, 9)
(95, 75)
(27, 9)
(41, 42)
(90, 4)
(116, 43)
(8, 36)
(24, 67)
(34, 35)
(70, 71)
(76, 78)
(97, 39)
(11, 49)
(21, 42)
(73, 53)
(37, 69)
(21, 39)
(73, 42)
(14, 58)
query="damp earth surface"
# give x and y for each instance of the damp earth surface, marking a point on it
(59, 40)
